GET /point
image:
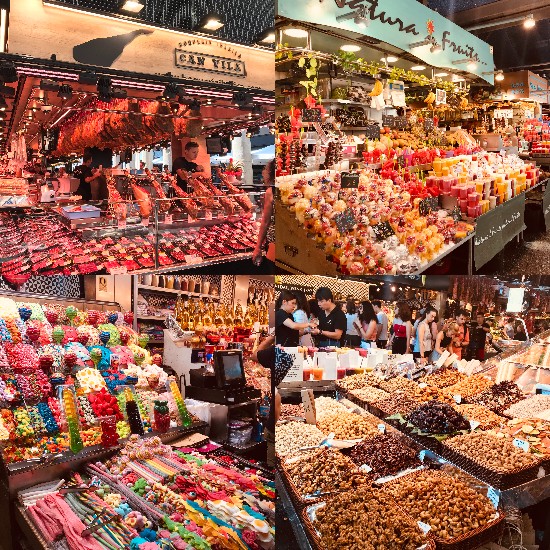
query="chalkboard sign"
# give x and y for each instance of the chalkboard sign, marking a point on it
(349, 180)
(429, 124)
(372, 131)
(383, 231)
(399, 122)
(427, 205)
(401, 161)
(311, 115)
(345, 221)
(456, 214)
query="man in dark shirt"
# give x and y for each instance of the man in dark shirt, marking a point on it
(332, 320)
(185, 164)
(478, 337)
(86, 174)
(287, 331)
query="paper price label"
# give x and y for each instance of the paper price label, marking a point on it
(208, 215)
(168, 219)
(458, 399)
(494, 496)
(120, 270)
(422, 455)
(521, 444)
(308, 400)
(365, 468)
(423, 526)
(473, 424)
(382, 428)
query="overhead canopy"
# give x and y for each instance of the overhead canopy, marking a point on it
(409, 26)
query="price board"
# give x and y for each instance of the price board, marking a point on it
(427, 205)
(345, 221)
(349, 179)
(372, 131)
(311, 115)
(399, 122)
(383, 230)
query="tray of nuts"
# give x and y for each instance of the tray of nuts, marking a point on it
(463, 518)
(469, 387)
(477, 413)
(499, 397)
(324, 472)
(534, 431)
(291, 437)
(348, 426)
(494, 460)
(444, 377)
(398, 383)
(357, 381)
(369, 396)
(397, 402)
(365, 518)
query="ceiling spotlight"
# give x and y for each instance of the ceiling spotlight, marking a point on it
(65, 92)
(418, 68)
(170, 91)
(499, 76)
(210, 23)
(529, 22)
(435, 48)
(350, 48)
(3, 104)
(296, 33)
(8, 72)
(265, 38)
(421, 43)
(472, 66)
(441, 75)
(390, 59)
(133, 6)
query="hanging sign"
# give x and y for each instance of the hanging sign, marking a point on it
(409, 26)
(440, 97)
(503, 113)
(80, 37)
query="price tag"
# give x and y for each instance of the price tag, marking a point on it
(422, 455)
(383, 231)
(308, 400)
(494, 496)
(208, 215)
(192, 259)
(521, 444)
(168, 219)
(541, 473)
(311, 115)
(120, 270)
(382, 428)
(372, 131)
(427, 205)
(424, 526)
(422, 385)
(122, 224)
(145, 222)
(345, 221)
(456, 214)
(349, 180)
(365, 468)
(458, 398)
(473, 424)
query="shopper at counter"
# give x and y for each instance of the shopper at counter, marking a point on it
(444, 339)
(86, 174)
(368, 323)
(382, 331)
(462, 339)
(186, 163)
(424, 341)
(480, 329)
(520, 333)
(353, 337)
(401, 330)
(301, 315)
(332, 320)
(287, 331)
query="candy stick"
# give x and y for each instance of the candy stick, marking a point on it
(132, 412)
(180, 403)
(71, 414)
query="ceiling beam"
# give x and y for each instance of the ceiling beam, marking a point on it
(497, 13)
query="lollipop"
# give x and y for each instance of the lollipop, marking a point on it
(104, 337)
(112, 318)
(93, 317)
(58, 334)
(128, 317)
(96, 354)
(71, 312)
(33, 333)
(143, 340)
(157, 359)
(83, 338)
(124, 338)
(46, 363)
(25, 313)
(52, 316)
(70, 361)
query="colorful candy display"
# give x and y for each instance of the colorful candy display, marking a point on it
(70, 411)
(185, 418)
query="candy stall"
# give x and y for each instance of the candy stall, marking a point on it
(80, 387)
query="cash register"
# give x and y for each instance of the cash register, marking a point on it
(225, 383)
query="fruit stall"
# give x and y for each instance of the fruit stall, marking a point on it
(400, 435)
(389, 158)
(59, 107)
(93, 421)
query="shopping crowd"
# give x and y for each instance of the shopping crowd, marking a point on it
(325, 322)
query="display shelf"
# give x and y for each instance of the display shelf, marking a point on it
(293, 517)
(29, 531)
(174, 291)
(205, 263)
(151, 318)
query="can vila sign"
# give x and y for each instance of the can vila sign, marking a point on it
(210, 63)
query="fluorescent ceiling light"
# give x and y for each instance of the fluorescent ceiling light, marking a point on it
(471, 66)
(267, 37)
(350, 48)
(296, 33)
(441, 75)
(418, 68)
(499, 76)
(133, 6)
(389, 59)
(210, 23)
(529, 22)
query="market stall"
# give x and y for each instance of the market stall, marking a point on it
(390, 158)
(138, 121)
(81, 386)
(402, 433)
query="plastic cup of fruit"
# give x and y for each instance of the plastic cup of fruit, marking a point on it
(307, 372)
(340, 373)
(318, 373)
